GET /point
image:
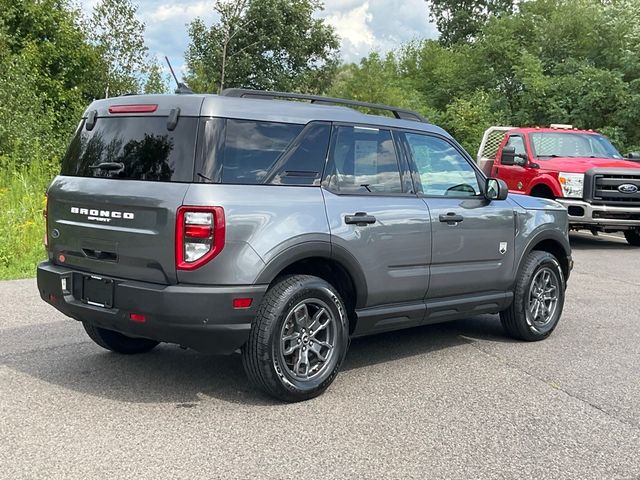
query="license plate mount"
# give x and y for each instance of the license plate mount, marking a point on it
(97, 291)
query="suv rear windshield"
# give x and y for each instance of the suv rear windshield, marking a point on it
(134, 148)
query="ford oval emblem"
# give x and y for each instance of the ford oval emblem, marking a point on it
(628, 188)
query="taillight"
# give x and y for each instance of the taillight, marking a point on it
(200, 235)
(45, 213)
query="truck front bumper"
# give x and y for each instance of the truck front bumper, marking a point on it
(199, 317)
(605, 216)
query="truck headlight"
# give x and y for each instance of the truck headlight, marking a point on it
(572, 184)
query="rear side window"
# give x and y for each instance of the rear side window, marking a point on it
(251, 152)
(134, 148)
(251, 148)
(364, 161)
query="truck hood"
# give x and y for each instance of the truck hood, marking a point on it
(583, 164)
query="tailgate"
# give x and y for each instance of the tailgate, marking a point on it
(116, 228)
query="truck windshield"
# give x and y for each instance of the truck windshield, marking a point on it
(572, 144)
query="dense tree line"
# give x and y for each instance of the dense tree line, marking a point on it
(54, 61)
(548, 61)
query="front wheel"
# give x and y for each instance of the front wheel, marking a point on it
(633, 237)
(298, 339)
(538, 298)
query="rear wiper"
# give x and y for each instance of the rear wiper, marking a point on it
(204, 177)
(108, 166)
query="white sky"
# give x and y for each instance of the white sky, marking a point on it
(363, 25)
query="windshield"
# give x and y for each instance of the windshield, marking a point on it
(571, 144)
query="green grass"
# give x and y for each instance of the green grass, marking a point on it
(22, 202)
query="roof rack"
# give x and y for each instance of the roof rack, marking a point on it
(399, 113)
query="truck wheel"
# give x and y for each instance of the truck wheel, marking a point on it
(538, 298)
(298, 340)
(633, 237)
(117, 342)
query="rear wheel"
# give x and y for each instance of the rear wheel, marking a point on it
(117, 342)
(298, 339)
(633, 237)
(538, 298)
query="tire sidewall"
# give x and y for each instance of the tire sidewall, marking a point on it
(310, 287)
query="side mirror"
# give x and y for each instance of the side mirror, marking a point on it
(510, 157)
(635, 156)
(496, 189)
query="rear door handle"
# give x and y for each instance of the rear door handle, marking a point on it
(361, 219)
(451, 218)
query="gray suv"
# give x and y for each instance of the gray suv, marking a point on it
(283, 225)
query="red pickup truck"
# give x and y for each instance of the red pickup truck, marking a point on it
(581, 169)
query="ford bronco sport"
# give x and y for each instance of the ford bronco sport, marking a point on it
(581, 169)
(248, 221)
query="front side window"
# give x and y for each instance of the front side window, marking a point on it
(441, 169)
(364, 160)
(571, 144)
(517, 142)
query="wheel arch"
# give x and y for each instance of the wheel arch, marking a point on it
(545, 188)
(329, 262)
(551, 242)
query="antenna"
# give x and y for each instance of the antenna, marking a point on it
(182, 88)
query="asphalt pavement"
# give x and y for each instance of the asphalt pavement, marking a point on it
(455, 401)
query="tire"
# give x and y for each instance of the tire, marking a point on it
(521, 320)
(633, 237)
(117, 342)
(283, 333)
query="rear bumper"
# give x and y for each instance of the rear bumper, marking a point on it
(601, 215)
(198, 317)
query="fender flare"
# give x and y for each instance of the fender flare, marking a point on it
(317, 249)
(541, 236)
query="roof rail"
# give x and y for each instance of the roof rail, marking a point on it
(399, 113)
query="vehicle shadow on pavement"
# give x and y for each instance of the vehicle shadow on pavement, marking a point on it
(169, 374)
(584, 242)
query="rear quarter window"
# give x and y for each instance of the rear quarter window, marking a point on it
(134, 148)
(249, 152)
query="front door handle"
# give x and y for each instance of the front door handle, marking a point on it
(451, 218)
(361, 219)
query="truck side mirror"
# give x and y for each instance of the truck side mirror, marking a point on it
(509, 157)
(635, 156)
(496, 189)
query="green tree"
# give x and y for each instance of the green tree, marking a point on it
(119, 37)
(48, 69)
(551, 61)
(156, 81)
(461, 20)
(264, 44)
